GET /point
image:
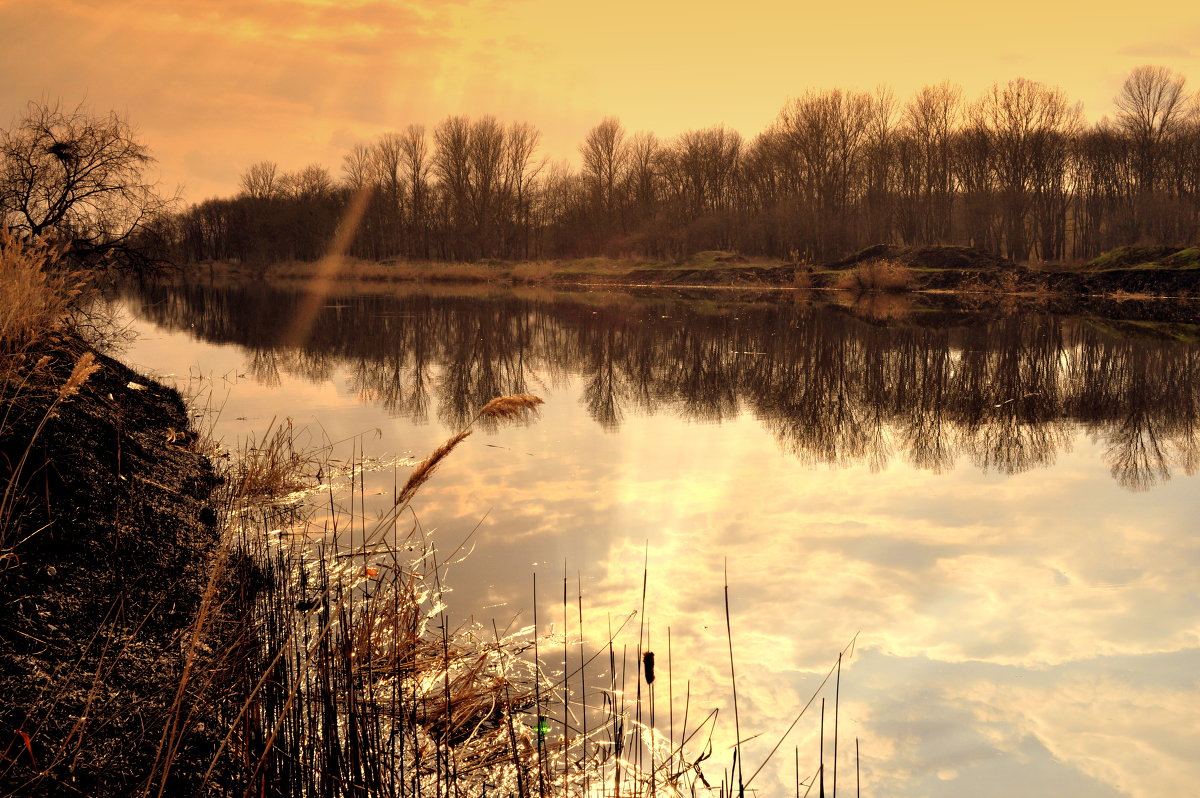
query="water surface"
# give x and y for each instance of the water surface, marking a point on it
(1001, 507)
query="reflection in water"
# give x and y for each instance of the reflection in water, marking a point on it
(1004, 392)
(1039, 629)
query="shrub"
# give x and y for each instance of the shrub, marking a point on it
(877, 275)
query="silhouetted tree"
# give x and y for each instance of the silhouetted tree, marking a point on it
(1015, 171)
(79, 179)
(260, 181)
(605, 157)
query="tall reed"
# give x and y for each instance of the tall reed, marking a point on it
(343, 675)
(37, 300)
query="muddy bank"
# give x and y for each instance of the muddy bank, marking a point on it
(107, 545)
(928, 268)
(932, 268)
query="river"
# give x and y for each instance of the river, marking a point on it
(993, 514)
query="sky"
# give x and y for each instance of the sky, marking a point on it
(216, 85)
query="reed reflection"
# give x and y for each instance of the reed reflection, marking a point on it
(1004, 393)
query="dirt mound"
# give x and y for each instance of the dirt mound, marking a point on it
(710, 258)
(876, 252)
(107, 544)
(964, 258)
(1127, 257)
(1184, 259)
(931, 257)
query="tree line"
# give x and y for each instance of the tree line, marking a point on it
(1016, 171)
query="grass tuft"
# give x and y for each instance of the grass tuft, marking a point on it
(877, 275)
(272, 468)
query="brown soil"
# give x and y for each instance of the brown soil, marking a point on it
(934, 268)
(95, 603)
(932, 257)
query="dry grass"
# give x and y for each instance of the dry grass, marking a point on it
(340, 674)
(802, 278)
(426, 467)
(1121, 295)
(36, 306)
(36, 300)
(877, 275)
(272, 468)
(510, 407)
(331, 669)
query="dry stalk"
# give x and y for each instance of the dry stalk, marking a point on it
(510, 407)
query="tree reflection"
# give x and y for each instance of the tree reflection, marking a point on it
(833, 388)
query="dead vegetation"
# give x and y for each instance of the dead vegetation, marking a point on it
(289, 668)
(335, 671)
(36, 306)
(273, 467)
(877, 274)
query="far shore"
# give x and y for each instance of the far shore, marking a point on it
(1123, 274)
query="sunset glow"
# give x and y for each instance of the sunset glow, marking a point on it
(216, 86)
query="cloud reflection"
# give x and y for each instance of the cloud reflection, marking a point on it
(1024, 623)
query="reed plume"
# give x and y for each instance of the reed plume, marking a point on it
(426, 467)
(85, 367)
(510, 406)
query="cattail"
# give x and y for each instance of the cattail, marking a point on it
(510, 406)
(648, 666)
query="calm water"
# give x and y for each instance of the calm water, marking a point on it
(1003, 509)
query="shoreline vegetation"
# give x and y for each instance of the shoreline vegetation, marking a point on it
(1127, 273)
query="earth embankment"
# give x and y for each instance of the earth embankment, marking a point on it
(105, 552)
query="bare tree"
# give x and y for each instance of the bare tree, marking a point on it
(520, 171)
(1025, 127)
(1150, 107)
(930, 121)
(414, 152)
(1151, 110)
(80, 179)
(643, 153)
(700, 173)
(359, 167)
(452, 165)
(605, 154)
(823, 136)
(879, 157)
(486, 159)
(261, 180)
(387, 155)
(311, 182)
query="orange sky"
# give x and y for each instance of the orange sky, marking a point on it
(214, 85)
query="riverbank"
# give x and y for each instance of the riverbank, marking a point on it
(108, 536)
(162, 637)
(1125, 273)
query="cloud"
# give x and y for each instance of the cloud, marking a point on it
(1156, 50)
(1129, 736)
(216, 86)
